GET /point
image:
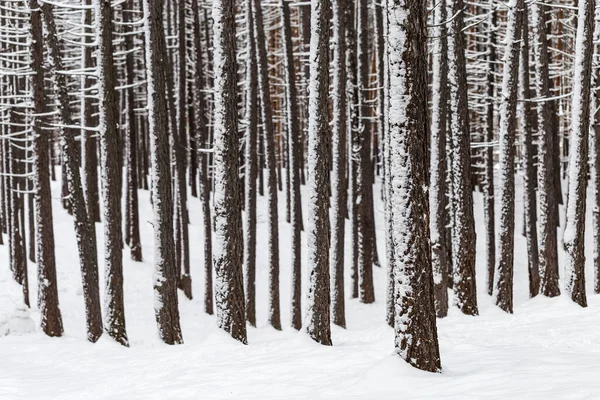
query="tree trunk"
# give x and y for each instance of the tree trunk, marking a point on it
(548, 258)
(85, 231)
(271, 163)
(578, 158)
(131, 206)
(503, 280)
(165, 279)
(89, 119)
(488, 181)
(228, 254)
(294, 148)
(317, 232)
(437, 191)
(463, 227)
(595, 155)
(111, 182)
(364, 178)
(415, 328)
(200, 110)
(339, 189)
(51, 319)
(250, 168)
(529, 176)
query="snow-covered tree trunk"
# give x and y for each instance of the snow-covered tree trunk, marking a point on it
(463, 222)
(182, 241)
(228, 249)
(271, 163)
(595, 151)
(200, 110)
(362, 156)
(488, 160)
(294, 148)
(339, 161)
(250, 167)
(415, 326)
(437, 187)
(89, 118)
(111, 182)
(131, 205)
(85, 231)
(547, 223)
(352, 126)
(578, 158)
(503, 279)
(529, 174)
(389, 229)
(165, 279)
(317, 232)
(50, 315)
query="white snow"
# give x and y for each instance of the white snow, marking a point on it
(548, 349)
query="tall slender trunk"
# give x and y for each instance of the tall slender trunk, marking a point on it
(578, 158)
(228, 255)
(51, 319)
(318, 297)
(488, 157)
(250, 168)
(595, 154)
(415, 326)
(89, 119)
(529, 176)
(364, 188)
(271, 163)
(111, 181)
(463, 223)
(503, 280)
(294, 148)
(547, 224)
(165, 278)
(339, 161)
(437, 191)
(182, 241)
(85, 231)
(200, 110)
(131, 206)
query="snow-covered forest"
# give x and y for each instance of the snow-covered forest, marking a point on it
(341, 199)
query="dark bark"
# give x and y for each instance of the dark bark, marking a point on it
(51, 319)
(318, 297)
(271, 164)
(578, 158)
(250, 167)
(228, 256)
(165, 282)
(530, 173)
(111, 181)
(202, 140)
(415, 326)
(548, 257)
(503, 281)
(85, 231)
(364, 177)
(131, 206)
(488, 156)
(464, 240)
(339, 143)
(437, 200)
(89, 119)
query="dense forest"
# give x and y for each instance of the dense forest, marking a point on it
(352, 108)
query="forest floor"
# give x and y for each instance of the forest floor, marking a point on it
(549, 348)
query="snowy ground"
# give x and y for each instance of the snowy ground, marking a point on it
(549, 349)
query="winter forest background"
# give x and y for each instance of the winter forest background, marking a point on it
(344, 199)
